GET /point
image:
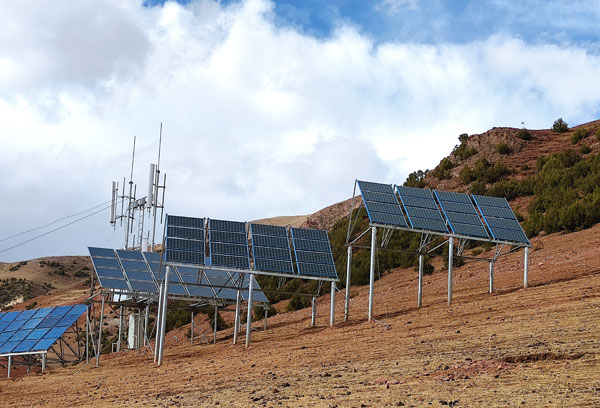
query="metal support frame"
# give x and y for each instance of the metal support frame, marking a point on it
(157, 324)
(43, 362)
(100, 332)
(215, 321)
(450, 262)
(266, 317)
(163, 313)
(491, 288)
(192, 330)
(372, 270)
(332, 309)
(420, 290)
(249, 315)
(347, 299)
(120, 328)
(146, 317)
(87, 336)
(313, 316)
(236, 323)
(8, 367)
(526, 267)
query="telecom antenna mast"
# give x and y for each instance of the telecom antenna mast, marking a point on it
(133, 209)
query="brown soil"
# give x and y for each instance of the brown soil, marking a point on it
(538, 346)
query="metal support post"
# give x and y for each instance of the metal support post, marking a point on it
(372, 270)
(347, 300)
(420, 290)
(313, 317)
(450, 261)
(43, 362)
(146, 317)
(332, 310)
(192, 330)
(138, 331)
(266, 317)
(249, 316)
(120, 329)
(491, 277)
(8, 367)
(100, 332)
(87, 335)
(236, 323)
(164, 317)
(526, 267)
(157, 324)
(215, 324)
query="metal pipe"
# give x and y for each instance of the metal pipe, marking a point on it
(420, 292)
(43, 362)
(8, 367)
(236, 323)
(450, 261)
(100, 332)
(120, 328)
(491, 290)
(372, 270)
(138, 331)
(87, 335)
(215, 325)
(157, 324)
(526, 267)
(332, 309)
(146, 317)
(347, 300)
(164, 317)
(249, 316)
(266, 317)
(192, 330)
(313, 317)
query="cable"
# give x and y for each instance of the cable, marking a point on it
(54, 222)
(54, 230)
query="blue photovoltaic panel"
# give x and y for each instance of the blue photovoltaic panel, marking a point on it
(500, 219)
(461, 214)
(184, 241)
(37, 329)
(129, 265)
(152, 256)
(132, 255)
(102, 252)
(146, 286)
(381, 204)
(313, 256)
(106, 263)
(228, 244)
(421, 209)
(139, 275)
(271, 248)
(113, 283)
(109, 273)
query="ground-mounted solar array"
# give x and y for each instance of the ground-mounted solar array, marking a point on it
(461, 214)
(421, 209)
(228, 244)
(271, 248)
(142, 273)
(36, 330)
(381, 204)
(500, 219)
(313, 252)
(442, 212)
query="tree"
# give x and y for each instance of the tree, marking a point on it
(560, 126)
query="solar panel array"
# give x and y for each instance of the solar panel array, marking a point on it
(141, 272)
(500, 219)
(458, 214)
(381, 204)
(228, 244)
(36, 330)
(271, 248)
(461, 214)
(185, 240)
(313, 252)
(421, 209)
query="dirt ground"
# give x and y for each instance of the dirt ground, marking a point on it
(538, 346)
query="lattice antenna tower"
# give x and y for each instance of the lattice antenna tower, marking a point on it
(132, 208)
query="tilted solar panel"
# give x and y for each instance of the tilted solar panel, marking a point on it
(421, 209)
(313, 256)
(228, 244)
(381, 204)
(271, 248)
(461, 214)
(184, 241)
(500, 219)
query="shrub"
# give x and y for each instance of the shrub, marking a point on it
(416, 179)
(560, 126)
(477, 188)
(461, 150)
(579, 134)
(524, 134)
(428, 268)
(503, 148)
(211, 318)
(598, 134)
(81, 274)
(585, 149)
(442, 170)
(524, 167)
(298, 302)
(467, 175)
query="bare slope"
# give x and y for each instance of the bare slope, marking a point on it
(535, 347)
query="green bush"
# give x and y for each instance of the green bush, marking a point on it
(524, 134)
(298, 302)
(416, 179)
(442, 170)
(211, 318)
(585, 149)
(579, 134)
(560, 126)
(511, 189)
(428, 268)
(503, 148)
(478, 187)
(598, 134)
(462, 151)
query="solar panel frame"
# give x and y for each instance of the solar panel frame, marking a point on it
(506, 228)
(381, 204)
(325, 265)
(276, 256)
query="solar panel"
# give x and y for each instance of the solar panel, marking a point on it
(102, 252)
(228, 244)
(37, 329)
(148, 287)
(106, 262)
(271, 248)
(133, 255)
(421, 209)
(113, 283)
(184, 241)
(139, 275)
(381, 204)
(313, 256)
(461, 214)
(500, 219)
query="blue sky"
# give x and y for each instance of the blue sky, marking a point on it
(269, 108)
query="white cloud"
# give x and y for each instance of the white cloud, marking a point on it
(393, 7)
(259, 120)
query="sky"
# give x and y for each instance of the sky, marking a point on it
(268, 107)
